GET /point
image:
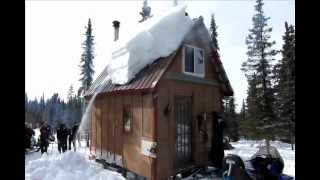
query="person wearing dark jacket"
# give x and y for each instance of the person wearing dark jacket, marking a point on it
(217, 151)
(44, 137)
(72, 137)
(62, 135)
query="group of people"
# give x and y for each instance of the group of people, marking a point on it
(66, 137)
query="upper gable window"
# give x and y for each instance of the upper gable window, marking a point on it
(193, 61)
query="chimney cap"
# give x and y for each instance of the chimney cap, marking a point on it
(116, 24)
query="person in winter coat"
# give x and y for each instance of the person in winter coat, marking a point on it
(44, 137)
(72, 137)
(217, 151)
(62, 136)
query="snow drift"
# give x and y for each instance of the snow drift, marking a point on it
(68, 166)
(154, 38)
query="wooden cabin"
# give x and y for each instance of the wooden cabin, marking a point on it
(151, 125)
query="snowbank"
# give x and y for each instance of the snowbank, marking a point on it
(75, 165)
(68, 166)
(154, 38)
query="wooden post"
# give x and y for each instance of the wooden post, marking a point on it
(154, 136)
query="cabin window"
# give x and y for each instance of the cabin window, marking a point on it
(193, 62)
(127, 118)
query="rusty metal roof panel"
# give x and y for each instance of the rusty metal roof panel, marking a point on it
(147, 78)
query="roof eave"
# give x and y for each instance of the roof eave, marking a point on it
(227, 88)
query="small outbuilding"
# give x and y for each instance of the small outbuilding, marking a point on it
(160, 121)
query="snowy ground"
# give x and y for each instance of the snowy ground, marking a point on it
(76, 165)
(66, 166)
(246, 148)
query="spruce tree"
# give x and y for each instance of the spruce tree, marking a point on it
(285, 75)
(243, 111)
(71, 107)
(86, 63)
(42, 108)
(253, 110)
(242, 121)
(260, 54)
(213, 32)
(70, 93)
(233, 119)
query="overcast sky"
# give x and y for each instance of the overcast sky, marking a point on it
(54, 33)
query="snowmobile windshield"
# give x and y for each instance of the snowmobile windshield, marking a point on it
(263, 153)
(267, 162)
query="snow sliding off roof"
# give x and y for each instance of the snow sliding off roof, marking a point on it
(156, 37)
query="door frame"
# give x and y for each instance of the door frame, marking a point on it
(190, 159)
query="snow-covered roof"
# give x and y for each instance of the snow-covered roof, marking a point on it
(154, 38)
(133, 65)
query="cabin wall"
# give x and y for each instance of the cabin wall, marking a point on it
(205, 98)
(109, 137)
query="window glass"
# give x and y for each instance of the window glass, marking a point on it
(199, 61)
(194, 60)
(189, 58)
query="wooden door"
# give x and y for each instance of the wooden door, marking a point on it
(183, 117)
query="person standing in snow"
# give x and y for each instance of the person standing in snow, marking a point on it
(217, 151)
(72, 137)
(59, 138)
(62, 135)
(44, 137)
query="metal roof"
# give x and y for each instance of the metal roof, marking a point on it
(222, 75)
(145, 80)
(148, 77)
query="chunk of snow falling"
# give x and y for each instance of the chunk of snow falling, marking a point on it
(85, 120)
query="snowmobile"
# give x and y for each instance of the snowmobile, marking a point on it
(261, 166)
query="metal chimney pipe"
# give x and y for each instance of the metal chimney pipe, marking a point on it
(116, 25)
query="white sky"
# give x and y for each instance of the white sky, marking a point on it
(55, 31)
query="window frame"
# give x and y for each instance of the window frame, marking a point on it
(202, 75)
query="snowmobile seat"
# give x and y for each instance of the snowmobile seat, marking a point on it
(267, 165)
